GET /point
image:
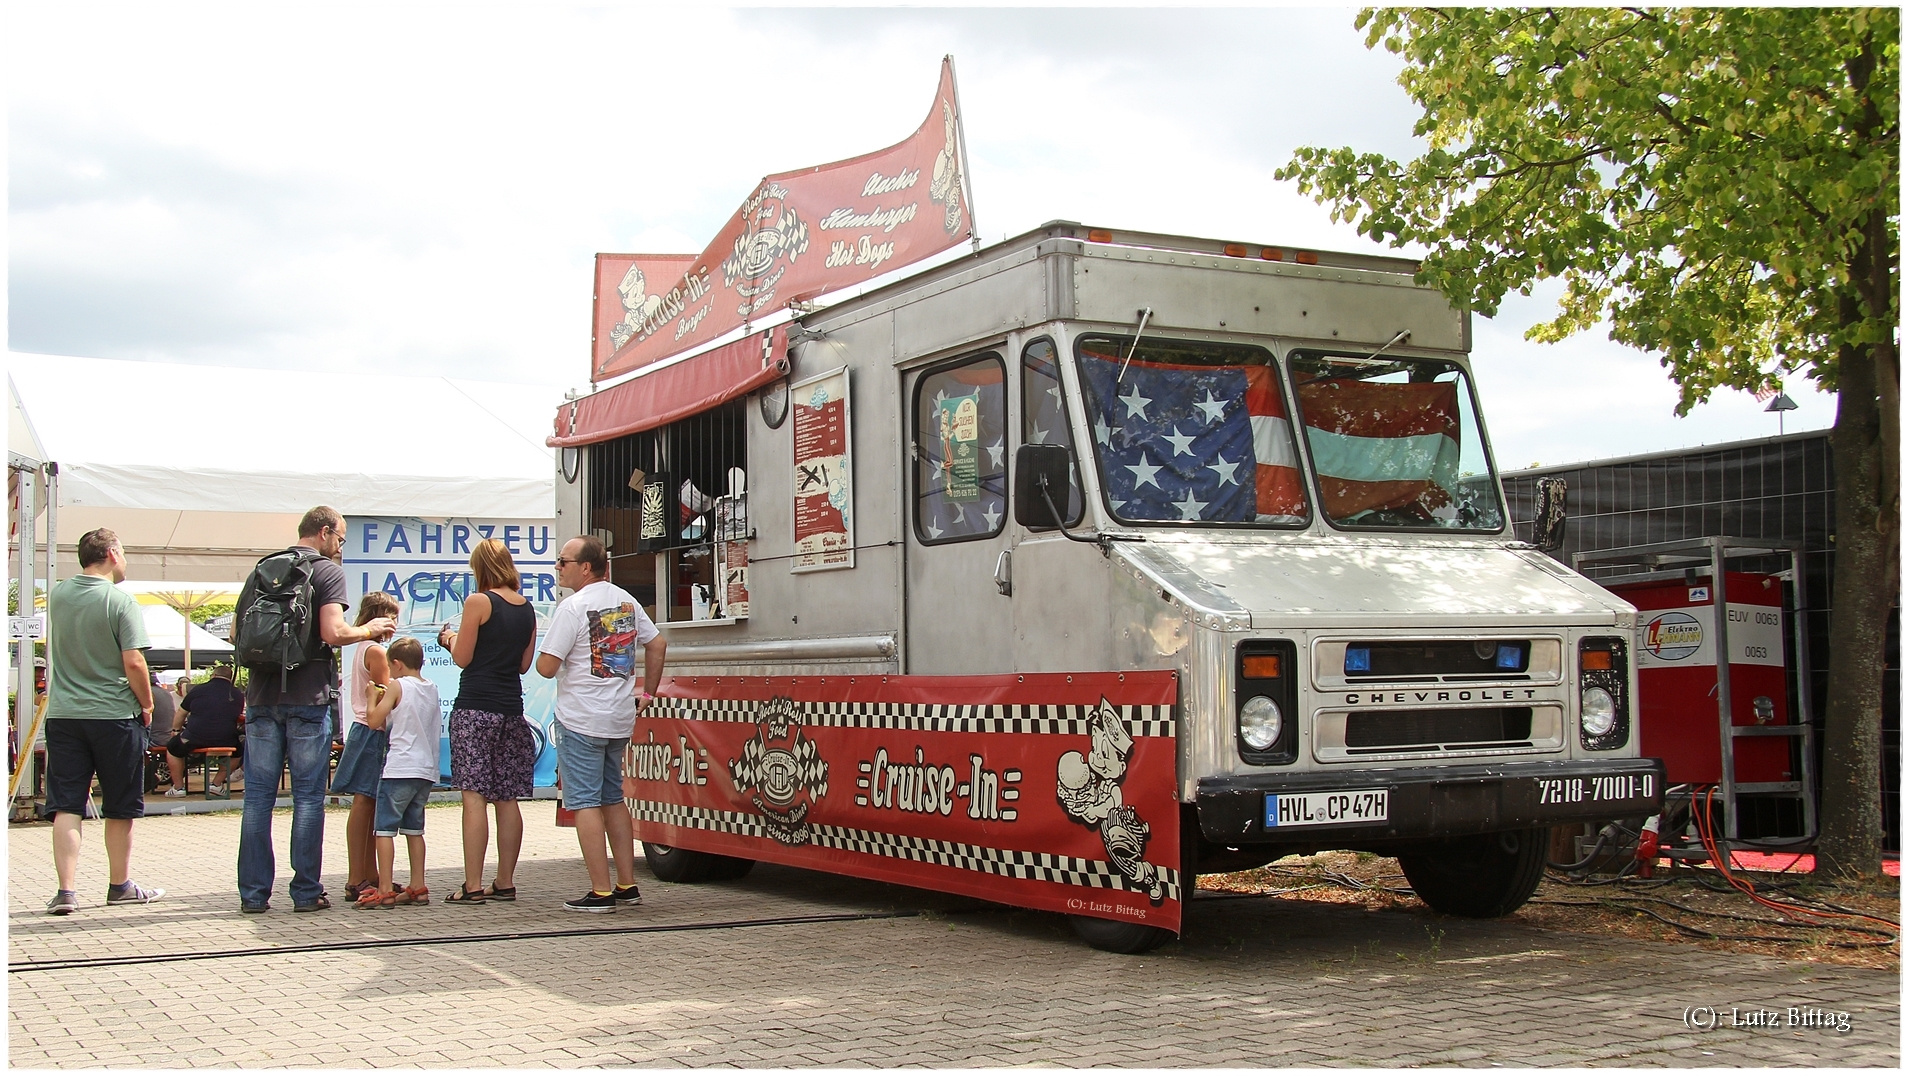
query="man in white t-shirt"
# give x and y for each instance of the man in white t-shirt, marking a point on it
(590, 650)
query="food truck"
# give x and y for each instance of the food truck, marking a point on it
(1063, 571)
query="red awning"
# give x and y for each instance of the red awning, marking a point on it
(658, 397)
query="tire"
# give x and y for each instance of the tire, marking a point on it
(729, 868)
(1481, 877)
(1116, 937)
(678, 865)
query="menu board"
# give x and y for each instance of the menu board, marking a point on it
(824, 474)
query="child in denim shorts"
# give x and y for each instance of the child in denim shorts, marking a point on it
(361, 764)
(410, 715)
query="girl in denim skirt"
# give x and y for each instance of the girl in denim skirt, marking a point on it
(362, 762)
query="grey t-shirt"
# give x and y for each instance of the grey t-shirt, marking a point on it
(163, 712)
(312, 683)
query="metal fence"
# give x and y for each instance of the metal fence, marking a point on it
(1780, 490)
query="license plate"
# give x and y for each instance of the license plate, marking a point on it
(1284, 810)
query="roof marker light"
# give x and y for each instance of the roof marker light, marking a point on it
(1099, 235)
(1305, 257)
(1272, 254)
(1235, 250)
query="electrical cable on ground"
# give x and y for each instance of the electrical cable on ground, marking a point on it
(445, 939)
(1748, 889)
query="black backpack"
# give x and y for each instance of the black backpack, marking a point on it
(277, 626)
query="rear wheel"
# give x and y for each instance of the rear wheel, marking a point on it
(677, 864)
(1479, 877)
(1117, 937)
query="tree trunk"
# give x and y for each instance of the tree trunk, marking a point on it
(1865, 588)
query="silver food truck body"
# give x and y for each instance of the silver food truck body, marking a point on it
(1286, 611)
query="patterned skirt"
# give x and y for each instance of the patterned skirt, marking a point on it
(492, 755)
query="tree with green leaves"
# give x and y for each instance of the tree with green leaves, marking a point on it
(1720, 185)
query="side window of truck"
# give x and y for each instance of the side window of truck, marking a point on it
(1043, 412)
(960, 450)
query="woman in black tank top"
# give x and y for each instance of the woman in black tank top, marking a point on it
(492, 753)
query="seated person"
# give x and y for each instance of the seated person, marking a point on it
(163, 710)
(209, 717)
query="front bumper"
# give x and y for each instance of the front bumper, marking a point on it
(1436, 801)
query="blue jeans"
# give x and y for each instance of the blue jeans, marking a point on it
(275, 735)
(591, 768)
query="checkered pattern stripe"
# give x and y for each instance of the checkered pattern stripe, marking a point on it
(676, 814)
(1007, 863)
(1140, 721)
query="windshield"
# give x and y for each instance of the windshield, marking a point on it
(1191, 432)
(1395, 442)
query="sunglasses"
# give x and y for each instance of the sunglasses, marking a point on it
(561, 561)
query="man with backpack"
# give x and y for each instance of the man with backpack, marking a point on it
(289, 616)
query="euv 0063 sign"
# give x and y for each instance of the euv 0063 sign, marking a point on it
(1687, 637)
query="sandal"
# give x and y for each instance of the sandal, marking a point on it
(465, 895)
(369, 899)
(354, 889)
(412, 894)
(494, 893)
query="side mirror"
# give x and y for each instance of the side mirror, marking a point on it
(1547, 529)
(1043, 485)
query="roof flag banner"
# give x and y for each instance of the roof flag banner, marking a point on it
(623, 297)
(801, 234)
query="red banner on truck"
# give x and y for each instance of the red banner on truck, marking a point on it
(1045, 790)
(811, 231)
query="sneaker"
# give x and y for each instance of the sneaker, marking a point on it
(175, 793)
(591, 902)
(132, 893)
(210, 790)
(627, 895)
(65, 902)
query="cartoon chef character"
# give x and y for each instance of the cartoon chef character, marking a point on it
(637, 305)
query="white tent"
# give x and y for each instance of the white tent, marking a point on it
(167, 633)
(204, 469)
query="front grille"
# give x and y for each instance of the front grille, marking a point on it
(1428, 660)
(1387, 729)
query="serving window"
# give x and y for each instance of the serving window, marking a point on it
(670, 502)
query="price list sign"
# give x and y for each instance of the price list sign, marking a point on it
(824, 474)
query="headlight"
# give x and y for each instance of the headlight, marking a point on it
(1260, 722)
(1599, 711)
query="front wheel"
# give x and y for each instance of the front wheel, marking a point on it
(676, 864)
(1480, 877)
(1117, 937)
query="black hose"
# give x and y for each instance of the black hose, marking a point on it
(448, 939)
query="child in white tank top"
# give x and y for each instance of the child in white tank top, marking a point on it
(410, 714)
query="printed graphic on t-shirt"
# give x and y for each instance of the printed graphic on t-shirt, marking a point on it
(613, 642)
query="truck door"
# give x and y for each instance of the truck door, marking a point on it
(958, 621)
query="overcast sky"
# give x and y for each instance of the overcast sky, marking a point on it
(423, 188)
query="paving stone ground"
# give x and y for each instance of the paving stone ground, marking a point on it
(952, 982)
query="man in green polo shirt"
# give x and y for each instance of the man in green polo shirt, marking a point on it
(99, 702)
